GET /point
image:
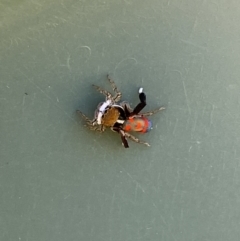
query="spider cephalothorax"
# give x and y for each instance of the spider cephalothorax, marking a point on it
(120, 117)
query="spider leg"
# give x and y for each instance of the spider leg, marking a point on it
(104, 92)
(122, 134)
(141, 105)
(152, 112)
(128, 110)
(124, 140)
(135, 139)
(91, 123)
(118, 94)
(99, 128)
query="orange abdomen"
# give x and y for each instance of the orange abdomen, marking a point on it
(138, 124)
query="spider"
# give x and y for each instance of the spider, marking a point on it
(119, 116)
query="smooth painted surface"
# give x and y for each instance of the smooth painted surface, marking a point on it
(59, 181)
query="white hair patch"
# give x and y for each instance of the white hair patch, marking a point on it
(102, 110)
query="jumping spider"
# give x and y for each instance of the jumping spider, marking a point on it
(120, 117)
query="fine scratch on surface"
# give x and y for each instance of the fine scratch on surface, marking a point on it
(23, 103)
(135, 181)
(185, 92)
(194, 124)
(165, 223)
(193, 44)
(67, 196)
(47, 96)
(68, 62)
(211, 114)
(123, 61)
(87, 47)
(175, 126)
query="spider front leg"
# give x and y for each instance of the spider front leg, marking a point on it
(91, 124)
(102, 91)
(141, 105)
(118, 94)
(98, 128)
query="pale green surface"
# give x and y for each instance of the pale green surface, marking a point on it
(60, 181)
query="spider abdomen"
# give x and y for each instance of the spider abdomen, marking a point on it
(138, 124)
